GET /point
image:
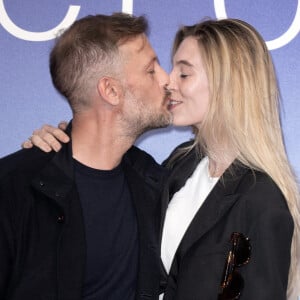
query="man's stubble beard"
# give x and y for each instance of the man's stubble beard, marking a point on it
(145, 118)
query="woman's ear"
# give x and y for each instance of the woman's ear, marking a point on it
(110, 90)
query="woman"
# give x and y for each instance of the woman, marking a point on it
(233, 183)
(234, 176)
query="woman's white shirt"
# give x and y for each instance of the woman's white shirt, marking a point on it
(182, 209)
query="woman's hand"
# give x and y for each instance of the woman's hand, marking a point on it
(48, 138)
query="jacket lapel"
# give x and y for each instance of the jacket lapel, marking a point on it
(218, 202)
(56, 182)
(145, 179)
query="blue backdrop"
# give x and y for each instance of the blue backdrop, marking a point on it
(26, 36)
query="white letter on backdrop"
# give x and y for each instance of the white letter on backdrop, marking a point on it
(127, 6)
(281, 41)
(22, 34)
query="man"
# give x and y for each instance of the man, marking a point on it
(83, 223)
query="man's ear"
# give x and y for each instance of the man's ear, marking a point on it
(110, 90)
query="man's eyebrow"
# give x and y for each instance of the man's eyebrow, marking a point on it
(183, 62)
(154, 59)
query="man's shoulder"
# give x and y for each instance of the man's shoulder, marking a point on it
(23, 160)
(137, 155)
(143, 162)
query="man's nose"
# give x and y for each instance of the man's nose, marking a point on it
(165, 78)
(171, 84)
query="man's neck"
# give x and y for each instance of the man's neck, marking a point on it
(98, 143)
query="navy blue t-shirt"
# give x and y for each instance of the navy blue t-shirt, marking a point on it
(111, 233)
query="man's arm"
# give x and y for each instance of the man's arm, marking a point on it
(48, 138)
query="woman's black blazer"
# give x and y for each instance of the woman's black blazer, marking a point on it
(243, 201)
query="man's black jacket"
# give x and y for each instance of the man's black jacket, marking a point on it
(42, 239)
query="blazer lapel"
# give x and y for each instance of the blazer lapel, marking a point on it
(218, 202)
(214, 207)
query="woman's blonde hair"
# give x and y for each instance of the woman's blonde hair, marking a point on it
(243, 117)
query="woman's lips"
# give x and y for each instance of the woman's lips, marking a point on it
(173, 103)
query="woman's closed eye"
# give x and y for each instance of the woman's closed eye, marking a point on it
(183, 75)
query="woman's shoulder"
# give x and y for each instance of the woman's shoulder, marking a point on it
(262, 194)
